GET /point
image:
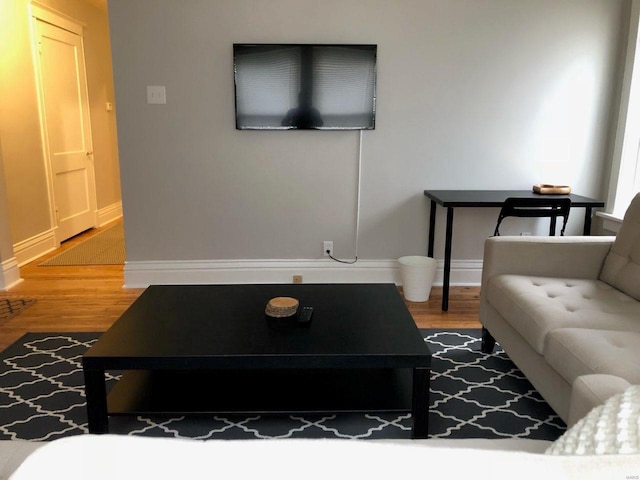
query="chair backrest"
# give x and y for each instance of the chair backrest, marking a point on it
(551, 207)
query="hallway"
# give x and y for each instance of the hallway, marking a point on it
(33, 207)
(73, 299)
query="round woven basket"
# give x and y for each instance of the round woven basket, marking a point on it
(546, 189)
(281, 307)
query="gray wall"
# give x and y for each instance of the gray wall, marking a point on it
(485, 94)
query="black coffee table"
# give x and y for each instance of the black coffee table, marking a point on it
(201, 349)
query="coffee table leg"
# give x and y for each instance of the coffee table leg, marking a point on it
(420, 407)
(96, 393)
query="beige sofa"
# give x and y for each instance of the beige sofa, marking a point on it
(567, 312)
(603, 444)
(117, 457)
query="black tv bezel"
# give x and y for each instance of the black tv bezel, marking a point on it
(350, 45)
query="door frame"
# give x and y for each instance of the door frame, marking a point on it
(40, 12)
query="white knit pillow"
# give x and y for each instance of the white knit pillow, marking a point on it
(610, 428)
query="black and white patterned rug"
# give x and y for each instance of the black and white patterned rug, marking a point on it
(473, 395)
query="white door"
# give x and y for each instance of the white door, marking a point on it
(67, 132)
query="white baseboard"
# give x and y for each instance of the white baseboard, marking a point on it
(34, 247)
(463, 273)
(109, 214)
(144, 273)
(9, 274)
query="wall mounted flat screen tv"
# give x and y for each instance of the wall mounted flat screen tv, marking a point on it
(305, 86)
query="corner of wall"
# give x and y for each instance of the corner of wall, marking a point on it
(9, 274)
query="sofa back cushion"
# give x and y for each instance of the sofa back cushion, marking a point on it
(621, 268)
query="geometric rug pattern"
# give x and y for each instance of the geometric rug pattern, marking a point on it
(473, 395)
(104, 248)
(10, 307)
(484, 395)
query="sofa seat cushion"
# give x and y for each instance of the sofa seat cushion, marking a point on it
(574, 352)
(534, 306)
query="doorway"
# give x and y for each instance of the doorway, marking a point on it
(66, 123)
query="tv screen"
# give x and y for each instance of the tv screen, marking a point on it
(303, 86)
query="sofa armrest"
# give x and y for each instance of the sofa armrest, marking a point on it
(567, 257)
(589, 391)
(13, 453)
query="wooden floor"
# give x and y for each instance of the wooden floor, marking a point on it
(91, 298)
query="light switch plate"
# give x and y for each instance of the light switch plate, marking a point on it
(156, 94)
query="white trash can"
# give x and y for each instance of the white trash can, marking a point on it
(417, 275)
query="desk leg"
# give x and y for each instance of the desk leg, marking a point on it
(587, 221)
(447, 260)
(96, 394)
(432, 229)
(420, 403)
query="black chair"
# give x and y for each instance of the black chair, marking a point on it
(536, 208)
(529, 208)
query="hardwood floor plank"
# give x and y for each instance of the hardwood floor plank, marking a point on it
(91, 298)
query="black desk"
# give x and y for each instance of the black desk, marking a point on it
(481, 199)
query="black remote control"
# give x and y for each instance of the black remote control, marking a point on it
(304, 315)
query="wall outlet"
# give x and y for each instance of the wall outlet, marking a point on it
(327, 248)
(297, 279)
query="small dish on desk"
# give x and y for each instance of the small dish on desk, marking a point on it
(546, 189)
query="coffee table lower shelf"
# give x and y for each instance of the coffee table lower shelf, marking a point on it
(141, 392)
